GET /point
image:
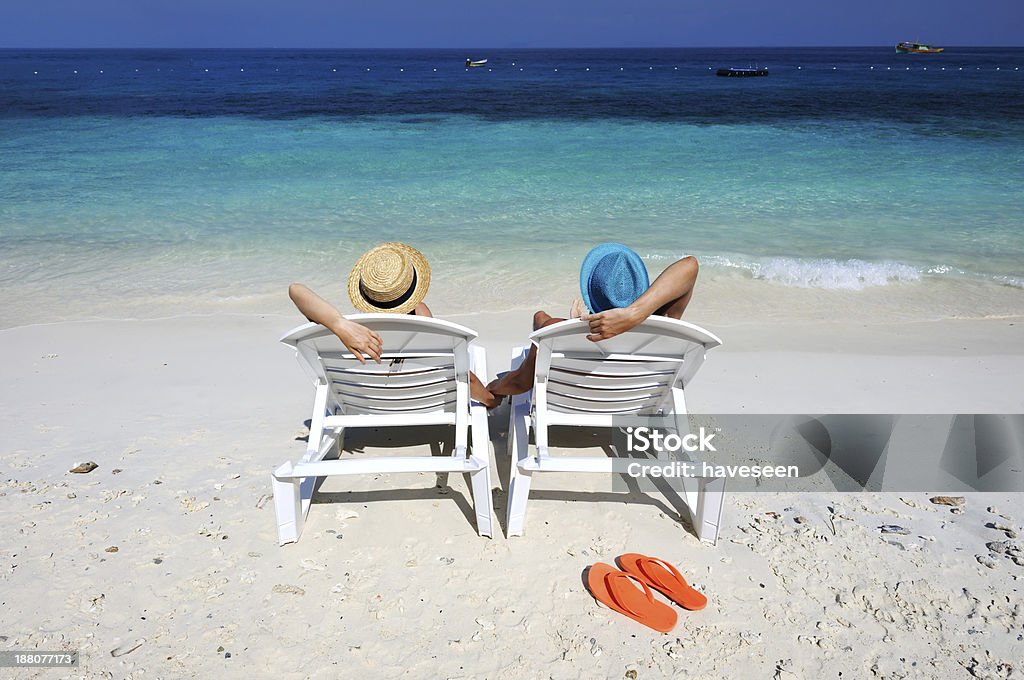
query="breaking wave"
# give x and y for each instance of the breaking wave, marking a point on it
(821, 273)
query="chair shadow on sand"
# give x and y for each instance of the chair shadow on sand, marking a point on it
(439, 439)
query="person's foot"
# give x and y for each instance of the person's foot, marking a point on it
(577, 309)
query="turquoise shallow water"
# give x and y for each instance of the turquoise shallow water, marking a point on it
(111, 215)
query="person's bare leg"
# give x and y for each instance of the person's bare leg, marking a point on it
(521, 379)
(542, 319)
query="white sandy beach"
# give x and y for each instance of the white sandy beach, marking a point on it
(169, 545)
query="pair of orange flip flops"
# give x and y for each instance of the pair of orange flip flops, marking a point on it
(616, 588)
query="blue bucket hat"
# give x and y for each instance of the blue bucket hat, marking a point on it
(612, 276)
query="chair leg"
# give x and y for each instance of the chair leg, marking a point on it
(480, 445)
(519, 355)
(519, 481)
(481, 479)
(707, 517)
(287, 504)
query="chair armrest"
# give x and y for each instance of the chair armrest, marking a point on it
(478, 365)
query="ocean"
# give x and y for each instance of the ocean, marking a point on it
(851, 181)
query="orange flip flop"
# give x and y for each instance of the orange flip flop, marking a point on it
(616, 589)
(663, 577)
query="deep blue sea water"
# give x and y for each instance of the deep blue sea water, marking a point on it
(141, 181)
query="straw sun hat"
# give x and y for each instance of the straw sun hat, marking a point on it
(392, 277)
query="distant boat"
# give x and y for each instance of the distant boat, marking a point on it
(742, 72)
(917, 48)
(470, 63)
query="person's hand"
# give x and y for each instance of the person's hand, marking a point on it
(490, 401)
(611, 322)
(359, 340)
(513, 382)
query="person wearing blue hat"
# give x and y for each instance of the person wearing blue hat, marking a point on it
(617, 295)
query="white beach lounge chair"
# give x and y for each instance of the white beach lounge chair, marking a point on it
(423, 379)
(578, 382)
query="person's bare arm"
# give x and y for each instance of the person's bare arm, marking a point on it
(358, 339)
(668, 296)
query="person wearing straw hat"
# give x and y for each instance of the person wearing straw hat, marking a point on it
(390, 278)
(616, 296)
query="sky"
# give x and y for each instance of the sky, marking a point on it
(507, 23)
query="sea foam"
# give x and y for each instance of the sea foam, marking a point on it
(826, 273)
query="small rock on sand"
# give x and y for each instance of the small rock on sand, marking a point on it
(288, 590)
(893, 529)
(111, 549)
(986, 561)
(84, 468)
(954, 501)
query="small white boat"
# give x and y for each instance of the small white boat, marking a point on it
(470, 63)
(742, 72)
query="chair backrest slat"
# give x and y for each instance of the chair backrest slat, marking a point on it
(363, 404)
(603, 394)
(564, 404)
(602, 366)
